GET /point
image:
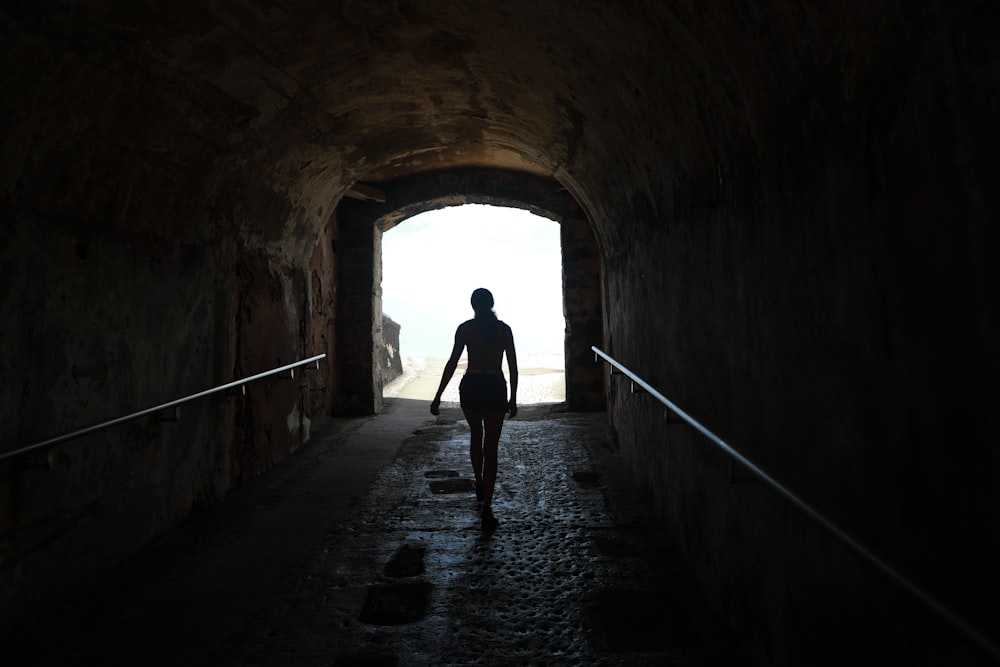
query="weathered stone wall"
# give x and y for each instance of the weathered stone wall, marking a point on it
(582, 305)
(114, 322)
(80, 310)
(358, 304)
(139, 264)
(320, 331)
(390, 361)
(813, 287)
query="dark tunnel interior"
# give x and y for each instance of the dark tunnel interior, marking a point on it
(781, 214)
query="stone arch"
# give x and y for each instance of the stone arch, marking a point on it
(360, 227)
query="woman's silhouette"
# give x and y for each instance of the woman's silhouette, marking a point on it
(483, 391)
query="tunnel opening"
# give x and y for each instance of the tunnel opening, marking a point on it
(432, 262)
(362, 222)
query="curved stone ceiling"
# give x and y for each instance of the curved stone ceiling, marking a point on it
(270, 111)
(376, 89)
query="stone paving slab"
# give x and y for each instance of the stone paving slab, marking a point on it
(576, 573)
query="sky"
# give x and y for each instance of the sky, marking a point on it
(432, 262)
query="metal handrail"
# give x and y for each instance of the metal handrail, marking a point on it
(158, 408)
(837, 532)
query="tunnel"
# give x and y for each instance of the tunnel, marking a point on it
(781, 215)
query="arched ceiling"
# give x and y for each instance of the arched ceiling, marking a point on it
(245, 106)
(401, 85)
(385, 88)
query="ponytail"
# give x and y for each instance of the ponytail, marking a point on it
(482, 304)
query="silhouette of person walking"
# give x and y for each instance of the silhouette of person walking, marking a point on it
(483, 392)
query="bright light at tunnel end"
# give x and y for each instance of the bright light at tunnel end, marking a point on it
(433, 261)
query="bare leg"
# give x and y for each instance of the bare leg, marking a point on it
(493, 423)
(475, 419)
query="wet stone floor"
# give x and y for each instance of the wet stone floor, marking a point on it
(575, 573)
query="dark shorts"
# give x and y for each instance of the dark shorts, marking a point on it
(483, 391)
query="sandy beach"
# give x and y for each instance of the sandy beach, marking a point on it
(541, 379)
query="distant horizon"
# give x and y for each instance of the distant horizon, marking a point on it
(432, 262)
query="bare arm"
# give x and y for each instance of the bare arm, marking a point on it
(449, 369)
(512, 368)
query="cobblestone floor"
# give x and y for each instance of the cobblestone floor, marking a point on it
(365, 549)
(575, 574)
